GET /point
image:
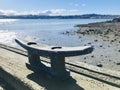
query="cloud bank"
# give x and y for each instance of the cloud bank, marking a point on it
(40, 12)
(7, 12)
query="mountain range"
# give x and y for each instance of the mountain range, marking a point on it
(84, 16)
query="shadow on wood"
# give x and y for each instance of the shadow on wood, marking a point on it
(53, 84)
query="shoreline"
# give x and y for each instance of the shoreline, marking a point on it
(105, 37)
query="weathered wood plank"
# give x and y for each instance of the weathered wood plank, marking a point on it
(56, 54)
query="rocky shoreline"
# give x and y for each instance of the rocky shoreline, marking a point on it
(102, 28)
(105, 37)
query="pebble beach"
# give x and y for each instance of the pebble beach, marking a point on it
(105, 37)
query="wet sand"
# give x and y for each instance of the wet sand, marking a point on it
(105, 37)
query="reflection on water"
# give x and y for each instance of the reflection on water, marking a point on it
(7, 20)
(45, 31)
(7, 37)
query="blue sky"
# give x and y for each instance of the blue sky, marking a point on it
(59, 7)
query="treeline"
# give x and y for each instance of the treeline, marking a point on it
(85, 16)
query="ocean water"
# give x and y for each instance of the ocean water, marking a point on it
(43, 31)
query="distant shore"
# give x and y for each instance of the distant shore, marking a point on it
(84, 16)
(106, 40)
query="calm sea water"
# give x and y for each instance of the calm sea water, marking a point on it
(44, 31)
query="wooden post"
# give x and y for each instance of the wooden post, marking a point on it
(35, 63)
(34, 59)
(58, 66)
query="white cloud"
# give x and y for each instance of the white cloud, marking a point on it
(40, 12)
(52, 12)
(8, 12)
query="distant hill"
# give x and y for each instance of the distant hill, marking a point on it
(85, 16)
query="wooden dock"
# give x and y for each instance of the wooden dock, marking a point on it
(83, 76)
